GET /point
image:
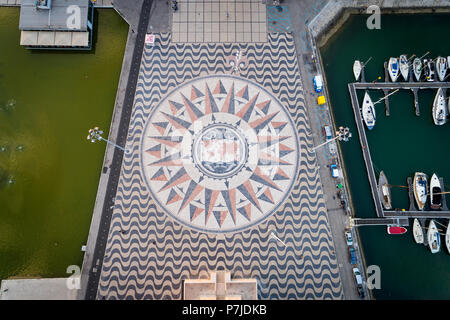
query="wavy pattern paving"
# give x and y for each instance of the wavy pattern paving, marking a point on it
(148, 254)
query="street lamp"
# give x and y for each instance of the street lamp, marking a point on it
(343, 134)
(96, 135)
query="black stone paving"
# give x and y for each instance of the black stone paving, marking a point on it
(108, 206)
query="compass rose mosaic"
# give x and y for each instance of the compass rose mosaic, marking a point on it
(219, 153)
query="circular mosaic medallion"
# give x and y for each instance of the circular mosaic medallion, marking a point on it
(219, 153)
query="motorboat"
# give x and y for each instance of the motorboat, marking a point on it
(417, 231)
(384, 191)
(447, 237)
(428, 64)
(420, 189)
(441, 68)
(417, 67)
(357, 67)
(435, 192)
(393, 229)
(439, 109)
(368, 111)
(404, 67)
(433, 237)
(394, 69)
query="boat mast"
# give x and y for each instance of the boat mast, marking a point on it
(386, 96)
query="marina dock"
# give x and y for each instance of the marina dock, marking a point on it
(385, 217)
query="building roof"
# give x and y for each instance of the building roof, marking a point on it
(54, 19)
(54, 39)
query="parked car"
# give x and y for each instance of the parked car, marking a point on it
(361, 292)
(349, 238)
(327, 132)
(334, 171)
(358, 277)
(352, 255)
(318, 83)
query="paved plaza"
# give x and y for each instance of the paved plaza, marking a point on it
(192, 198)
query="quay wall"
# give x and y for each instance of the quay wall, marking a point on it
(336, 12)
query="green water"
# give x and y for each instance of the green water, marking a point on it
(400, 145)
(57, 96)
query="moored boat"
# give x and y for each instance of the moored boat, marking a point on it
(441, 68)
(417, 231)
(357, 67)
(417, 67)
(368, 111)
(384, 191)
(439, 108)
(394, 69)
(393, 229)
(447, 237)
(428, 64)
(404, 67)
(420, 189)
(435, 192)
(433, 237)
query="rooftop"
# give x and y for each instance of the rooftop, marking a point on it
(54, 19)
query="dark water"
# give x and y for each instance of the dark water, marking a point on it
(56, 97)
(400, 144)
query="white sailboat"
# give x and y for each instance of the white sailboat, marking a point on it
(404, 67)
(447, 237)
(384, 191)
(420, 189)
(417, 231)
(441, 68)
(439, 108)
(433, 237)
(368, 111)
(417, 67)
(435, 192)
(357, 67)
(394, 69)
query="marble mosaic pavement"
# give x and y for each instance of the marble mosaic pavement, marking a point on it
(154, 243)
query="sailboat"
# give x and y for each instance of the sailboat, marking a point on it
(384, 191)
(439, 108)
(417, 231)
(447, 237)
(393, 68)
(417, 67)
(434, 239)
(429, 69)
(368, 111)
(404, 67)
(435, 190)
(420, 189)
(357, 67)
(441, 68)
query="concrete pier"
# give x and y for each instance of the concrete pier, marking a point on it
(359, 222)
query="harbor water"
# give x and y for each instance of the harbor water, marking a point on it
(400, 145)
(49, 172)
